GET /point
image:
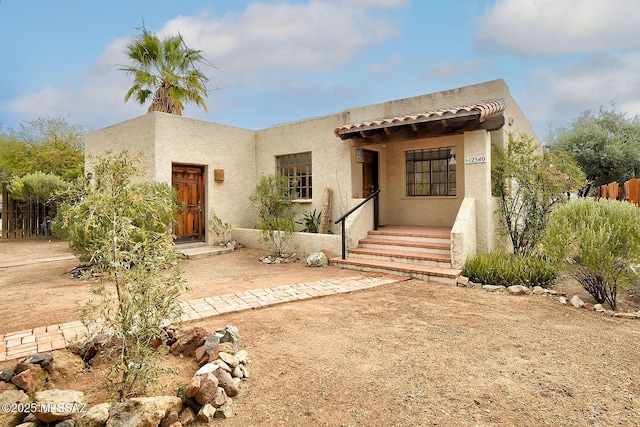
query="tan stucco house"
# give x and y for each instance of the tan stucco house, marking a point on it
(429, 155)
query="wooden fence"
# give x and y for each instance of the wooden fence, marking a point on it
(612, 191)
(21, 219)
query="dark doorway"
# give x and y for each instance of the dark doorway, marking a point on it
(189, 183)
(370, 178)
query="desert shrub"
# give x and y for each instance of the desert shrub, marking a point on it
(508, 269)
(124, 229)
(273, 199)
(529, 182)
(597, 241)
(221, 229)
(36, 185)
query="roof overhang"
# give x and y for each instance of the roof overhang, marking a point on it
(486, 115)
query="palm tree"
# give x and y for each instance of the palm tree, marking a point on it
(165, 69)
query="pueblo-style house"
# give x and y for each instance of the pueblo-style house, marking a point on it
(429, 156)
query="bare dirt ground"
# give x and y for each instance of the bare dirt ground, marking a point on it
(407, 354)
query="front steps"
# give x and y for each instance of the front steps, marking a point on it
(417, 252)
(197, 250)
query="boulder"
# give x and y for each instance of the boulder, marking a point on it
(208, 389)
(229, 359)
(192, 339)
(7, 386)
(187, 417)
(31, 380)
(142, 411)
(226, 382)
(6, 376)
(96, 416)
(224, 412)
(222, 365)
(225, 347)
(317, 259)
(194, 385)
(65, 364)
(211, 342)
(10, 397)
(516, 290)
(209, 367)
(220, 398)
(462, 281)
(61, 404)
(243, 357)
(206, 414)
(170, 419)
(231, 335)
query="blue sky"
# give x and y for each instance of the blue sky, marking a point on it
(287, 60)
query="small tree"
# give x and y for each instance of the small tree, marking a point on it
(221, 229)
(529, 182)
(273, 199)
(597, 240)
(124, 229)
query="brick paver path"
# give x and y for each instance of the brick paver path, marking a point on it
(19, 344)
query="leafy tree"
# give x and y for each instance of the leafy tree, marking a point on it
(36, 185)
(123, 227)
(597, 240)
(606, 145)
(48, 145)
(529, 182)
(273, 199)
(165, 70)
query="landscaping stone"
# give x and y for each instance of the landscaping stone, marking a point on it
(598, 307)
(516, 290)
(231, 335)
(211, 342)
(7, 386)
(187, 416)
(222, 365)
(10, 397)
(588, 306)
(7, 375)
(209, 367)
(194, 385)
(224, 412)
(576, 301)
(243, 357)
(226, 382)
(187, 346)
(220, 398)
(206, 414)
(538, 290)
(96, 416)
(462, 281)
(229, 359)
(41, 359)
(493, 288)
(208, 389)
(31, 380)
(169, 419)
(142, 411)
(562, 300)
(226, 347)
(64, 404)
(65, 364)
(317, 259)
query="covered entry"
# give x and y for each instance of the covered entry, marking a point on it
(188, 180)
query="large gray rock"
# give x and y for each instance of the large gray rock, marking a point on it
(142, 411)
(317, 259)
(41, 359)
(61, 404)
(12, 418)
(96, 416)
(230, 334)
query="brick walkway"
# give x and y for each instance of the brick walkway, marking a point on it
(15, 345)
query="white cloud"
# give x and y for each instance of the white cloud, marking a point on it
(561, 92)
(555, 27)
(281, 36)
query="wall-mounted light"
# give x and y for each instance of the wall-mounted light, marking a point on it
(359, 155)
(452, 158)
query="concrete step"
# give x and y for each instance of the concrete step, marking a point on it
(385, 254)
(406, 245)
(424, 272)
(440, 237)
(198, 252)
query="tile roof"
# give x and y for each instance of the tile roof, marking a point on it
(482, 109)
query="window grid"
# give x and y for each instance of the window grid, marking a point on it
(430, 173)
(297, 167)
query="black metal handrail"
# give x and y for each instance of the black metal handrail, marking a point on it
(374, 196)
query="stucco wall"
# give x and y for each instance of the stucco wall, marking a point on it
(330, 158)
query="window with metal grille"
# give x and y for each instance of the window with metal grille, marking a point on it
(297, 167)
(431, 172)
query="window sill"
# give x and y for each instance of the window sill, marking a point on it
(303, 201)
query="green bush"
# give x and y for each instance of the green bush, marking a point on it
(311, 221)
(597, 241)
(36, 185)
(508, 269)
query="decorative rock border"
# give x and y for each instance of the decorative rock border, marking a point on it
(575, 301)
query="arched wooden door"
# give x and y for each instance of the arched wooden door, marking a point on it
(189, 183)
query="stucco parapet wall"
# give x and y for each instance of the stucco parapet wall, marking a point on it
(303, 244)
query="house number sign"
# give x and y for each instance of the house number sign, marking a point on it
(479, 159)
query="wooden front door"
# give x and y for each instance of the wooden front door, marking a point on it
(189, 183)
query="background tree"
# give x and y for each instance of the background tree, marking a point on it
(165, 70)
(606, 145)
(529, 182)
(123, 227)
(48, 145)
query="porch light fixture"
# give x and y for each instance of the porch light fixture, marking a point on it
(359, 155)
(452, 159)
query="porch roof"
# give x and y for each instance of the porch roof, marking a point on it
(482, 115)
